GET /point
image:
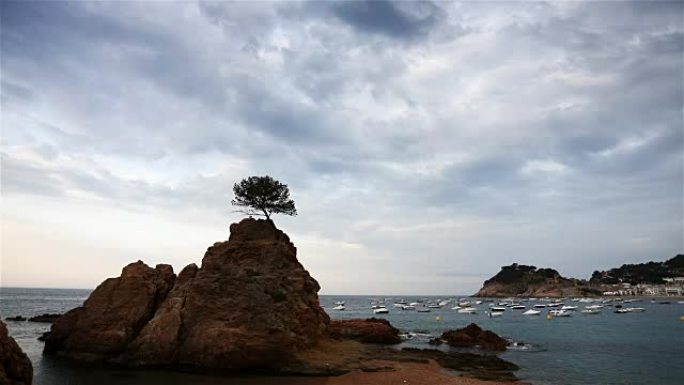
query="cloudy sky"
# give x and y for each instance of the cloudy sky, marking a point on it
(425, 144)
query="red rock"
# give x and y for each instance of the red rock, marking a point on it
(15, 366)
(113, 314)
(250, 305)
(473, 336)
(371, 330)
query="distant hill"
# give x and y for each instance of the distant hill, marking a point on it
(649, 272)
(528, 281)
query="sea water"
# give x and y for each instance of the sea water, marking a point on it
(607, 348)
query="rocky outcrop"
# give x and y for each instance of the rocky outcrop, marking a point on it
(473, 336)
(528, 281)
(250, 305)
(371, 330)
(15, 366)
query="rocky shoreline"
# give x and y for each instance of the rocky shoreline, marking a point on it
(250, 307)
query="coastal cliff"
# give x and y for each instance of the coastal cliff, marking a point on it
(15, 366)
(250, 305)
(528, 281)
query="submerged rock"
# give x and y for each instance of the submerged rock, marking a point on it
(473, 336)
(15, 366)
(371, 330)
(45, 318)
(250, 305)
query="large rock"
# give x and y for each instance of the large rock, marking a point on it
(15, 366)
(473, 336)
(250, 305)
(371, 330)
(113, 315)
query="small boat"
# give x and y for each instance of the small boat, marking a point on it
(495, 314)
(568, 307)
(531, 312)
(594, 307)
(467, 310)
(664, 302)
(555, 304)
(434, 306)
(622, 311)
(381, 310)
(339, 307)
(464, 303)
(635, 309)
(591, 311)
(423, 310)
(444, 303)
(408, 307)
(518, 307)
(560, 313)
(480, 302)
(540, 305)
(496, 309)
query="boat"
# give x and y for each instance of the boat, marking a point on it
(532, 312)
(434, 306)
(518, 307)
(495, 314)
(381, 310)
(635, 309)
(496, 309)
(339, 307)
(622, 311)
(594, 307)
(467, 310)
(423, 310)
(560, 313)
(568, 307)
(555, 304)
(408, 307)
(540, 305)
(464, 303)
(480, 302)
(591, 311)
(444, 303)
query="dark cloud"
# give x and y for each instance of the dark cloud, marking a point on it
(392, 19)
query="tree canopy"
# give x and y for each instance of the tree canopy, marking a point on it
(263, 195)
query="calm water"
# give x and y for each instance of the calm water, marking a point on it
(635, 348)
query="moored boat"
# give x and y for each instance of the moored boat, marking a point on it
(531, 312)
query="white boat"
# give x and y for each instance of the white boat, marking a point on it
(635, 309)
(518, 307)
(591, 311)
(444, 303)
(467, 310)
(496, 309)
(594, 307)
(464, 304)
(399, 305)
(339, 307)
(568, 307)
(408, 307)
(560, 313)
(531, 312)
(381, 310)
(495, 314)
(555, 304)
(434, 306)
(423, 310)
(480, 302)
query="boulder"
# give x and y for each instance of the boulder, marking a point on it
(112, 316)
(473, 336)
(371, 330)
(15, 366)
(251, 305)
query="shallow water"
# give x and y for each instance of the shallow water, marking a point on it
(608, 348)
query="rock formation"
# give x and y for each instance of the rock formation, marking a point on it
(473, 336)
(371, 330)
(251, 305)
(15, 366)
(528, 281)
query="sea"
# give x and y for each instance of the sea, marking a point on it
(607, 348)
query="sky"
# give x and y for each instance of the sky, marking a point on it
(425, 144)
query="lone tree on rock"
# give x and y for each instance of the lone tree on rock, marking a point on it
(263, 195)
